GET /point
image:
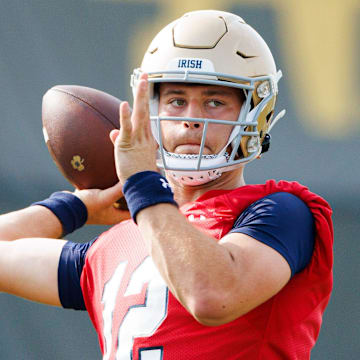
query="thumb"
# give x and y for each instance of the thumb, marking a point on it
(113, 135)
(111, 194)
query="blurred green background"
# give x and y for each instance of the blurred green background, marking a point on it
(98, 43)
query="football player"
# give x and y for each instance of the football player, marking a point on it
(208, 267)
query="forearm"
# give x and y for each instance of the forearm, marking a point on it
(199, 271)
(33, 221)
(63, 213)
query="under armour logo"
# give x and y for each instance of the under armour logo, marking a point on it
(165, 184)
(193, 218)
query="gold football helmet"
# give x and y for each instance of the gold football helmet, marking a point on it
(214, 48)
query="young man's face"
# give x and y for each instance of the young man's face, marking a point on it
(197, 101)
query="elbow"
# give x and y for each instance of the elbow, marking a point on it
(216, 309)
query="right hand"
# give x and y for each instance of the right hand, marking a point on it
(134, 145)
(100, 205)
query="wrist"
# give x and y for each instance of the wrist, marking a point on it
(68, 208)
(145, 189)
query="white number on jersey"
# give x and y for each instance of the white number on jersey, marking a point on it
(141, 320)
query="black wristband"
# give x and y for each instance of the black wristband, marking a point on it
(145, 189)
(68, 208)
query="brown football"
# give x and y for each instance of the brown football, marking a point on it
(77, 121)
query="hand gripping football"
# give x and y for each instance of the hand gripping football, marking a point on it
(77, 121)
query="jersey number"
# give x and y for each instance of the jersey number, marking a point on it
(141, 320)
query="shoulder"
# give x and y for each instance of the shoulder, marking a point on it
(284, 222)
(278, 206)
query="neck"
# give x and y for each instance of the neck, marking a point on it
(229, 180)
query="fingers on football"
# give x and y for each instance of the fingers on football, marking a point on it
(112, 194)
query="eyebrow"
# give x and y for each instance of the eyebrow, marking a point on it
(173, 92)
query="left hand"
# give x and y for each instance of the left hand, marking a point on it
(100, 205)
(134, 144)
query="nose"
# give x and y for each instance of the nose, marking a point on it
(191, 124)
(194, 111)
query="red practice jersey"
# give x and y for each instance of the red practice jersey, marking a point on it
(136, 317)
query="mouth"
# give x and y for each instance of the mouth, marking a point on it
(190, 149)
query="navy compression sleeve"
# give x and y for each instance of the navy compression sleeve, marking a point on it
(71, 263)
(283, 222)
